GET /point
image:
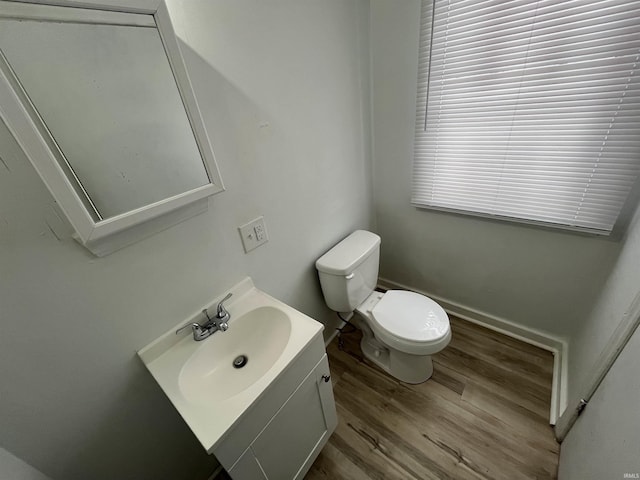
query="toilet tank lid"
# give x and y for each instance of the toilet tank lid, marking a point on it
(344, 257)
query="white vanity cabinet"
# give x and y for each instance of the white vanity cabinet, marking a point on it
(267, 418)
(281, 436)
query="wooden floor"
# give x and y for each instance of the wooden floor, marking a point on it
(483, 415)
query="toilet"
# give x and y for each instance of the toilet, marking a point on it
(401, 329)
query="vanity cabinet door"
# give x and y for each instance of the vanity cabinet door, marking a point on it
(291, 441)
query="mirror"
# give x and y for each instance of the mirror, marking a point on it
(107, 96)
(127, 139)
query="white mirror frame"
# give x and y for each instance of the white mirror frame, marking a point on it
(104, 236)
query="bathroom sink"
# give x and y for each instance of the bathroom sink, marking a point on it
(199, 377)
(256, 340)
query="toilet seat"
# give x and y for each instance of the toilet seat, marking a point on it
(411, 316)
(408, 321)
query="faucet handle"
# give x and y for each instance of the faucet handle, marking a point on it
(194, 327)
(222, 312)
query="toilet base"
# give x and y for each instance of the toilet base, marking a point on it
(403, 366)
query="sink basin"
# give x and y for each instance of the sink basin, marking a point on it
(199, 377)
(261, 335)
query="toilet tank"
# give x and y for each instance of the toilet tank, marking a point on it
(349, 271)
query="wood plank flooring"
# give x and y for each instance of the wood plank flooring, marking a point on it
(483, 414)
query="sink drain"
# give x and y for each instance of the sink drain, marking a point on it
(240, 361)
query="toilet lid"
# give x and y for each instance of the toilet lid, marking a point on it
(411, 316)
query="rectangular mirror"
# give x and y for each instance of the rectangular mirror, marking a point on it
(102, 105)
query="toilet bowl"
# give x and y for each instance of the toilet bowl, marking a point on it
(401, 329)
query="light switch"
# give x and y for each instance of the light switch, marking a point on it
(253, 234)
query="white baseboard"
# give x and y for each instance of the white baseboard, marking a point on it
(539, 338)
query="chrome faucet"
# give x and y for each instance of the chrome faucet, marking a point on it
(219, 322)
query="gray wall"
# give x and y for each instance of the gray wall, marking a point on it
(538, 278)
(595, 329)
(12, 468)
(283, 89)
(604, 443)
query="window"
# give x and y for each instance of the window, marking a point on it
(529, 110)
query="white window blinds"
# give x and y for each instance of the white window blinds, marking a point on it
(529, 109)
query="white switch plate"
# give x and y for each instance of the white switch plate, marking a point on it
(253, 234)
